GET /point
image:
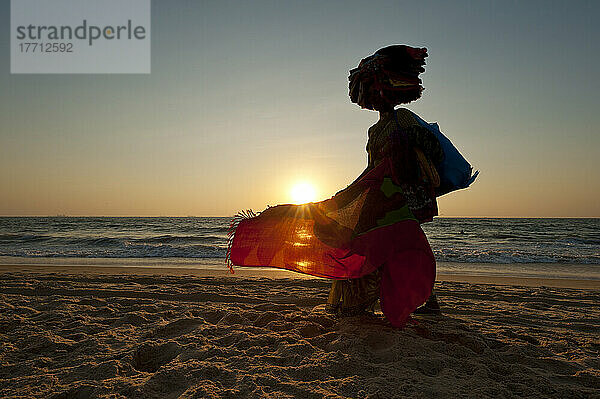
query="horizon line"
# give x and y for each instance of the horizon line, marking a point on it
(231, 216)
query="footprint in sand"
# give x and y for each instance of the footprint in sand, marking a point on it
(131, 319)
(76, 392)
(310, 329)
(380, 341)
(232, 319)
(151, 356)
(211, 316)
(266, 318)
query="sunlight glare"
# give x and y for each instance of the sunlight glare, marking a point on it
(302, 193)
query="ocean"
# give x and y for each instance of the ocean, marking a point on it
(551, 248)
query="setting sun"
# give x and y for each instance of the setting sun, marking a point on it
(302, 193)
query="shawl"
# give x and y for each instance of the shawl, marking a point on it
(346, 236)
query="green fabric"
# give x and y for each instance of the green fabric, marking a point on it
(389, 188)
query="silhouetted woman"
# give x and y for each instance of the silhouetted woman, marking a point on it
(368, 237)
(388, 78)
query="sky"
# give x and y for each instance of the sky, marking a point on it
(246, 99)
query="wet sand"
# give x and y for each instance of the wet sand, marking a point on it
(71, 332)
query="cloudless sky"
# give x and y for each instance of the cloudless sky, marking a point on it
(247, 98)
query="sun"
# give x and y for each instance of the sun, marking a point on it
(303, 192)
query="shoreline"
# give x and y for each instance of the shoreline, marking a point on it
(240, 272)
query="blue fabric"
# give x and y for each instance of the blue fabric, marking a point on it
(455, 172)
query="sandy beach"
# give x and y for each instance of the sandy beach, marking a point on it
(75, 332)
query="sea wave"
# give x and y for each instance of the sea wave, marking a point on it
(508, 256)
(501, 241)
(110, 240)
(127, 251)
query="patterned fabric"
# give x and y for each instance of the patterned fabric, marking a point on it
(416, 165)
(354, 296)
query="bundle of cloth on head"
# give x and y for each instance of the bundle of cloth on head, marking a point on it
(389, 77)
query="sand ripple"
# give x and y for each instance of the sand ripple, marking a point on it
(80, 336)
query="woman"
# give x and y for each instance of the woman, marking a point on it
(368, 236)
(380, 82)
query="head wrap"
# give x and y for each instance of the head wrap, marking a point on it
(388, 78)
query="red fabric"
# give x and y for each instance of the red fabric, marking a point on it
(406, 283)
(287, 242)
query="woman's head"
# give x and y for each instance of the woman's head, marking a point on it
(388, 78)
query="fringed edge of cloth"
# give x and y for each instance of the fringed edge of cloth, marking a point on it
(241, 215)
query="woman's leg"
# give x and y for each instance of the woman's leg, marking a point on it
(354, 296)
